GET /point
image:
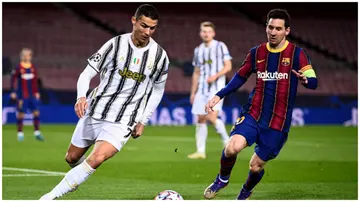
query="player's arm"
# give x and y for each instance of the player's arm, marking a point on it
(306, 74)
(195, 76)
(14, 76)
(227, 61)
(157, 93)
(236, 82)
(82, 88)
(194, 83)
(35, 87)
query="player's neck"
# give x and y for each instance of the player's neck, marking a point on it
(280, 47)
(137, 43)
(207, 44)
(25, 64)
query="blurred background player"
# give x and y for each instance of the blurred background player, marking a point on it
(27, 93)
(279, 66)
(211, 62)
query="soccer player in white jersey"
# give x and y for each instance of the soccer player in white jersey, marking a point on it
(133, 70)
(211, 62)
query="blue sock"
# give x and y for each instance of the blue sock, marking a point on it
(253, 179)
(227, 164)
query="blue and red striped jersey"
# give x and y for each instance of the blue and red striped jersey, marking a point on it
(272, 100)
(26, 78)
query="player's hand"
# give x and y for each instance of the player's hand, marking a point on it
(209, 106)
(138, 130)
(80, 107)
(37, 96)
(192, 97)
(211, 79)
(13, 96)
(300, 76)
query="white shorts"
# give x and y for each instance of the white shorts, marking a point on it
(200, 100)
(89, 130)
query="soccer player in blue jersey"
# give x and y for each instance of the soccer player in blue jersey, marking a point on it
(278, 65)
(27, 93)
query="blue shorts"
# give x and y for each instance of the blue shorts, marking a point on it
(268, 141)
(29, 103)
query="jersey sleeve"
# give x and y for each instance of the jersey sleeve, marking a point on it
(225, 52)
(163, 73)
(305, 66)
(246, 67)
(103, 56)
(195, 61)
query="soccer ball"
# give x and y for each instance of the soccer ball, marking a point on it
(168, 195)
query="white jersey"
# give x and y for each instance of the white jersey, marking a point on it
(127, 75)
(210, 60)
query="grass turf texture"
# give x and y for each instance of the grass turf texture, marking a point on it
(317, 162)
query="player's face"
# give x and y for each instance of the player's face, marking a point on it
(207, 34)
(143, 28)
(276, 31)
(26, 56)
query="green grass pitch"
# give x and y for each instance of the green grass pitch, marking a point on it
(317, 162)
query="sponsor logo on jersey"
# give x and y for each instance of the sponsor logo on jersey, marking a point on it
(132, 75)
(27, 76)
(207, 62)
(271, 76)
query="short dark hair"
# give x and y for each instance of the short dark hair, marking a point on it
(147, 10)
(279, 14)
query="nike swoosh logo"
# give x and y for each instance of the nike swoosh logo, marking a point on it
(260, 61)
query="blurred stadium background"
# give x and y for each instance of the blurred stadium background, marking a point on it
(64, 35)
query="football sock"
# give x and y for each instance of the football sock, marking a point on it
(201, 135)
(253, 179)
(77, 163)
(36, 123)
(19, 124)
(226, 165)
(220, 128)
(72, 179)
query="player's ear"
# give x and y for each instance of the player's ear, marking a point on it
(287, 31)
(133, 20)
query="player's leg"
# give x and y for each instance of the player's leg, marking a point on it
(109, 137)
(102, 151)
(268, 147)
(20, 119)
(36, 122)
(201, 131)
(75, 155)
(201, 134)
(34, 107)
(219, 126)
(243, 134)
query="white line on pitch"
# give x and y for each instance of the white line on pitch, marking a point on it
(34, 171)
(29, 175)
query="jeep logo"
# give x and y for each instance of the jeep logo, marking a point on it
(132, 75)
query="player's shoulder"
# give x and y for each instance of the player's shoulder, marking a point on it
(156, 46)
(219, 43)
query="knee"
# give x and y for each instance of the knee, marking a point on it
(202, 119)
(20, 115)
(36, 113)
(256, 168)
(72, 157)
(232, 148)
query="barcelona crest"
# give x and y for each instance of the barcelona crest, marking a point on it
(285, 61)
